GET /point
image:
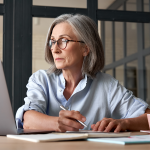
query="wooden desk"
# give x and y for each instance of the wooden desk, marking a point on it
(12, 144)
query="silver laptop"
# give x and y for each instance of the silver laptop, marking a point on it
(7, 121)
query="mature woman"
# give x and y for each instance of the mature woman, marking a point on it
(74, 80)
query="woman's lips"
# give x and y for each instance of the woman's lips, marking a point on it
(59, 59)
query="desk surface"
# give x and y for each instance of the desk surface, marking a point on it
(12, 144)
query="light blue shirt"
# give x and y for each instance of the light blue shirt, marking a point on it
(95, 99)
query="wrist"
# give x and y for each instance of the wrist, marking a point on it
(56, 124)
(53, 123)
(128, 124)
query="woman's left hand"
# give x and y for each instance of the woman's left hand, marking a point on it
(109, 124)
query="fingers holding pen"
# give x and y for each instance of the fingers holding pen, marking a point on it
(69, 124)
(72, 115)
(67, 120)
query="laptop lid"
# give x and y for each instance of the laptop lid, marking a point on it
(7, 121)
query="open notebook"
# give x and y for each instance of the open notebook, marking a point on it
(48, 137)
(66, 136)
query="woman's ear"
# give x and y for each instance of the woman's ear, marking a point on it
(86, 50)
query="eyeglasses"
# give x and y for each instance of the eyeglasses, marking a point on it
(61, 43)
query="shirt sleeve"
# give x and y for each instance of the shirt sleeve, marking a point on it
(36, 99)
(123, 104)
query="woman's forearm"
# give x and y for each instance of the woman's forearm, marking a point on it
(138, 123)
(37, 120)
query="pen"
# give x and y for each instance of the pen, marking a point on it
(62, 107)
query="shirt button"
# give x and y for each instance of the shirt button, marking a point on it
(67, 108)
(60, 90)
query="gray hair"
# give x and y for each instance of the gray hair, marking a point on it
(86, 30)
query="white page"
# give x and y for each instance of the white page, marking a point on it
(101, 134)
(48, 137)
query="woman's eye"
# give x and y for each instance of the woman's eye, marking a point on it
(52, 41)
(64, 40)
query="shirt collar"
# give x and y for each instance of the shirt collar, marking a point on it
(81, 85)
(62, 80)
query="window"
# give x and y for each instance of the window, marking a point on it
(132, 77)
(1, 38)
(108, 43)
(110, 72)
(146, 35)
(131, 38)
(62, 3)
(102, 4)
(119, 41)
(40, 30)
(147, 67)
(120, 74)
(146, 5)
(131, 5)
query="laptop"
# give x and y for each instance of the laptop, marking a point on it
(7, 121)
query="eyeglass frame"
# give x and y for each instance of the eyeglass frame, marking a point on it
(64, 41)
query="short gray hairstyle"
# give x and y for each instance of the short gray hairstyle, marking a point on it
(86, 30)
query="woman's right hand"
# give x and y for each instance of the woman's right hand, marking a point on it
(67, 121)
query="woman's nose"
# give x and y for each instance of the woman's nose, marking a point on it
(56, 49)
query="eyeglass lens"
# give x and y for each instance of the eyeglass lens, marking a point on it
(62, 43)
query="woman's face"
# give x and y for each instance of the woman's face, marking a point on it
(72, 56)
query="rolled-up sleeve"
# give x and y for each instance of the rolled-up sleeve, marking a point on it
(36, 97)
(123, 104)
